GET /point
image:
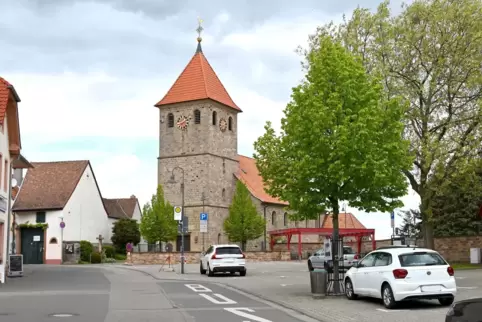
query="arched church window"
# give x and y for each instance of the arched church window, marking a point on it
(53, 240)
(170, 120)
(197, 117)
(273, 218)
(224, 193)
(285, 219)
(215, 117)
(219, 238)
(230, 123)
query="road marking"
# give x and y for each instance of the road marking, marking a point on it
(222, 297)
(283, 285)
(388, 311)
(460, 277)
(467, 287)
(240, 311)
(198, 288)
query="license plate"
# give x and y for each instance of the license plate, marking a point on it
(431, 288)
(229, 260)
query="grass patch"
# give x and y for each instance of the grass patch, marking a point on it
(462, 266)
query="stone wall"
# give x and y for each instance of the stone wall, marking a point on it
(194, 257)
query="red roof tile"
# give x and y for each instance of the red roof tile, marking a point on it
(198, 81)
(248, 174)
(49, 185)
(120, 208)
(4, 95)
(345, 220)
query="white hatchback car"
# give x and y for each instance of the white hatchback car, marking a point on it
(400, 274)
(223, 258)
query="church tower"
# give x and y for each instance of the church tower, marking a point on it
(198, 141)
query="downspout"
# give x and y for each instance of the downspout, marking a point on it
(9, 205)
(265, 223)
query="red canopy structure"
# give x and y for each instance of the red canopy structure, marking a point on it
(343, 232)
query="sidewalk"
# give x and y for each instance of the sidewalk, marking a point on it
(284, 283)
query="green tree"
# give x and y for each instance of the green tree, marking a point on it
(430, 55)
(157, 222)
(340, 140)
(456, 206)
(410, 225)
(243, 223)
(125, 230)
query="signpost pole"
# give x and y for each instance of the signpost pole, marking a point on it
(182, 224)
(203, 233)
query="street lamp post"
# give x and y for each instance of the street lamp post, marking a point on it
(173, 180)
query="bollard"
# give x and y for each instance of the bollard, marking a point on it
(318, 281)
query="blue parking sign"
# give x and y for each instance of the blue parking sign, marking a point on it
(203, 216)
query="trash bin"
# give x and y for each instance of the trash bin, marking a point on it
(318, 279)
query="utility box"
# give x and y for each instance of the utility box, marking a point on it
(475, 256)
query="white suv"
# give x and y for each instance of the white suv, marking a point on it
(402, 273)
(223, 258)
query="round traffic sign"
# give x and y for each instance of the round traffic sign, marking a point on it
(62, 224)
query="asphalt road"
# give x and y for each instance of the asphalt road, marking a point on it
(108, 294)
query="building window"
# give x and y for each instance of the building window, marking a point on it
(224, 166)
(5, 176)
(224, 193)
(230, 123)
(170, 120)
(40, 217)
(285, 219)
(197, 117)
(273, 218)
(215, 117)
(53, 240)
(219, 238)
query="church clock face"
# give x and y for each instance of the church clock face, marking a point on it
(223, 125)
(182, 123)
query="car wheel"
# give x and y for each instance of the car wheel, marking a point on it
(387, 297)
(242, 273)
(310, 266)
(210, 272)
(446, 301)
(349, 291)
(201, 270)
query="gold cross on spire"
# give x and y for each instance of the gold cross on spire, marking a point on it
(199, 29)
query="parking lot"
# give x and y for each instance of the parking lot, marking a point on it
(288, 283)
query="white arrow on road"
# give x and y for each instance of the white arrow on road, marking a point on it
(240, 311)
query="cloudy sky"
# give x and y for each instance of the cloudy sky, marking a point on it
(89, 73)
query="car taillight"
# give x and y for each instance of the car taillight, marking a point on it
(214, 256)
(356, 256)
(450, 270)
(400, 273)
(244, 256)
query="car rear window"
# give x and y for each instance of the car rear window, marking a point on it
(348, 251)
(421, 259)
(228, 251)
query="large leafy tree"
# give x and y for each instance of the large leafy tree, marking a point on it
(158, 223)
(411, 225)
(243, 223)
(430, 55)
(125, 230)
(340, 140)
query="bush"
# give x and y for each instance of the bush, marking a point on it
(86, 248)
(109, 251)
(96, 258)
(120, 257)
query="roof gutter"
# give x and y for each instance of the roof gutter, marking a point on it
(14, 92)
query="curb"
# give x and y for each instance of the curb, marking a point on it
(263, 297)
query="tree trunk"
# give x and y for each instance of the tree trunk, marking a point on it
(335, 247)
(243, 246)
(427, 222)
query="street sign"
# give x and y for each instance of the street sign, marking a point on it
(177, 213)
(392, 219)
(203, 222)
(62, 224)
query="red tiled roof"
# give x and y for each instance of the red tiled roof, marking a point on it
(4, 95)
(120, 208)
(248, 174)
(198, 81)
(345, 220)
(49, 185)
